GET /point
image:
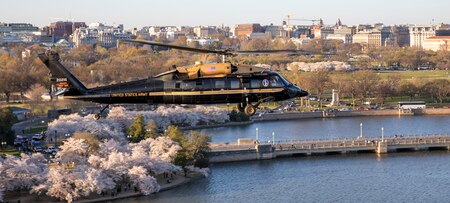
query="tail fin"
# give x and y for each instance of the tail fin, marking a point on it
(60, 77)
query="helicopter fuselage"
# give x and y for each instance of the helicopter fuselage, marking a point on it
(164, 90)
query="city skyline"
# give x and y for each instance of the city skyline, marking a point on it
(203, 12)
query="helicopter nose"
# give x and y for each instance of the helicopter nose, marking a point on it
(295, 91)
(302, 93)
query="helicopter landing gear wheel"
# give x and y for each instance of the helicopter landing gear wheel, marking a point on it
(99, 114)
(249, 110)
(241, 107)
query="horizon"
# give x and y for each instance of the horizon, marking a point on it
(351, 12)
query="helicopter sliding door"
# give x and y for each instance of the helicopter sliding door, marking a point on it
(170, 86)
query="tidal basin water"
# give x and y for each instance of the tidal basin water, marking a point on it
(331, 128)
(394, 177)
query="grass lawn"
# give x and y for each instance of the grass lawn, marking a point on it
(35, 129)
(424, 74)
(9, 152)
(408, 75)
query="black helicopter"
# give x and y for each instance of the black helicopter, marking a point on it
(246, 85)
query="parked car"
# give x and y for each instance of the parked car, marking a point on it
(38, 149)
(19, 140)
(38, 136)
(345, 109)
(51, 150)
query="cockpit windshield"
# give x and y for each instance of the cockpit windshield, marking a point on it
(286, 82)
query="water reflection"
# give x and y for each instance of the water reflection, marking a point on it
(400, 177)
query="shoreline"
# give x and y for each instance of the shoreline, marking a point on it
(323, 114)
(228, 124)
(24, 196)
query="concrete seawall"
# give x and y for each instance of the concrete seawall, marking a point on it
(231, 152)
(437, 111)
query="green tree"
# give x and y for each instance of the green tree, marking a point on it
(437, 89)
(7, 119)
(409, 89)
(198, 147)
(151, 129)
(365, 82)
(194, 147)
(137, 129)
(317, 82)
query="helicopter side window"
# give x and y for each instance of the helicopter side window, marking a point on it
(255, 83)
(189, 85)
(235, 84)
(275, 81)
(219, 84)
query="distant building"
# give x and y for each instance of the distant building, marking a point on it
(17, 27)
(63, 29)
(260, 35)
(302, 32)
(419, 33)
(402, 33)
(443, 30)
(202, 32)
(247, 29)
(345, 30)
(437, 43)
(202, 42)
(4, 28)
(275, 31)
(97, 33)
(346, 38)
(323, 32)
(411, 105)
(20, 113)
(361, 38)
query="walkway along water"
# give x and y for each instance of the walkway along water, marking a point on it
(253, 150)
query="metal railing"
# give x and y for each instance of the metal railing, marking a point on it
(342, 143)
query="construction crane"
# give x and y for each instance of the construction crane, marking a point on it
(312, 20)
(297, 19)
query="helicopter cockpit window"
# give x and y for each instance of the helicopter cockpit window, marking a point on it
(219, 84)
(275, 81)
(255, 83)
(284, 80)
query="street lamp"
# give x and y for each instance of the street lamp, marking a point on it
(3, 144)
(256, 134)
(56, 138)
(360, 130)
(382, 134)
(273, 138)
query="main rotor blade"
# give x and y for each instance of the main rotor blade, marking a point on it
(299, 52)
(220, 52)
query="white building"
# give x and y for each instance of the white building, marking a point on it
(361, 38)
(418, 33)
(437, 43)
(97, 33)
(202, 42)
(346, 38)
(201, 31)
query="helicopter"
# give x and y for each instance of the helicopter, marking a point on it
(214, 83)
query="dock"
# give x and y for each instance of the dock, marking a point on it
(250, 149)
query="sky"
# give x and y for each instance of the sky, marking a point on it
(139, 13)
